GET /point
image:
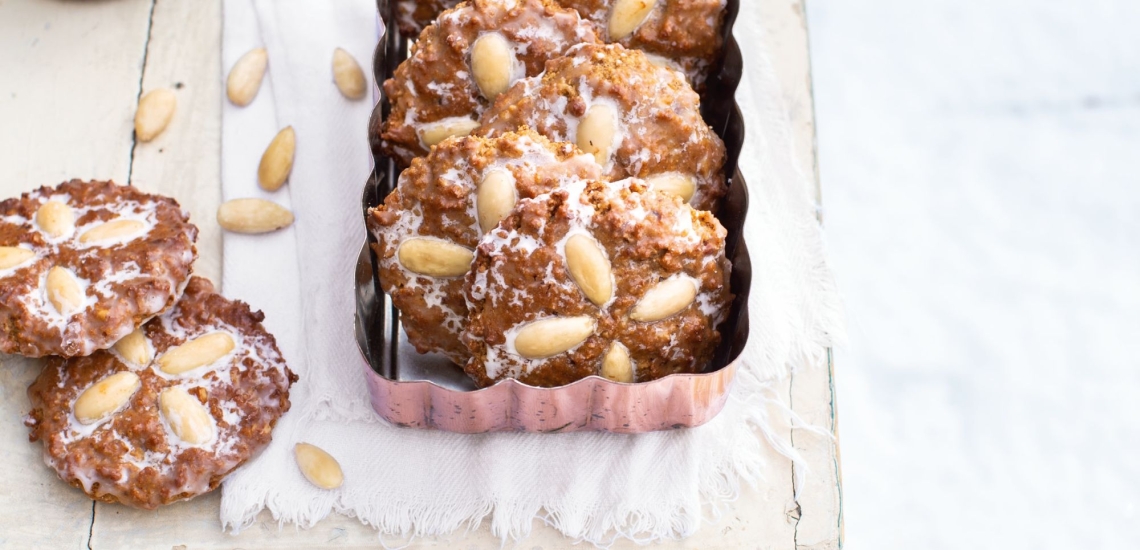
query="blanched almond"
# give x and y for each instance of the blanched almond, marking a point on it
(319, 467)
(56, 218)
(550, 337)
(596, 132)
(616, 365)
(627, 15)
(106, 396)
(668, 298)
(590, 268)
(675, 184)
(497, 196)
(156, 108)
(135, 348)
(198, 352)
(434, 258)
(63, 291)
(114, 229)
(187, 417)
(492, 64)
(348, 75)
(12, 256)
(277, 161)
(435, 132)
(253, 216)
(245, 77)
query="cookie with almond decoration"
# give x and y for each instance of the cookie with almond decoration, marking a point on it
(170, 410)
(427, 229)
(463, 61)
(86, 263)
(597, 279)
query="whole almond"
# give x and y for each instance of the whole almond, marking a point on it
(253, 216)
(496, 197)
(668, 298)
(156, 108)
(187, 417)
(56, 218)
(112, 230)
(135, 348)
(348, 75)
(199, 352)
(12, 256)
(550, 337)
(319, 467)
(627, 15)
(434, 258)
(277, 161)
(492, 64)
(105, 397)
(616, 365)
(245, 77)
(63, 291)
(590, 268)
(596, 132)
(675, 184)
(435, 132)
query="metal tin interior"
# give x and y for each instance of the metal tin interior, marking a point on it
(377, 321)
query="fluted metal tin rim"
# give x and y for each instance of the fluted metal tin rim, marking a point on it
(441, 400)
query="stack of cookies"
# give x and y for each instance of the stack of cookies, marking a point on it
(154, 387)
(555, 219)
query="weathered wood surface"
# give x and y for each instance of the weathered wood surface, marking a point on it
(72, 75)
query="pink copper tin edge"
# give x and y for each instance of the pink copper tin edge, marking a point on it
(593, 403)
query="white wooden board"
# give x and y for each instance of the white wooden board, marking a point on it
(72, 73)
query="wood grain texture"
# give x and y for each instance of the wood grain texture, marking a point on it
(91, 137)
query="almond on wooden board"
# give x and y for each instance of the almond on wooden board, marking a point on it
(253, 216)
(245, 77)
(277, 160)
(156, 108)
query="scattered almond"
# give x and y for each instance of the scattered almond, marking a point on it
(156, 108)
(590, 268)
(245, 77)
(12, 256)
(106, 396)
(253, 216)
(496, 197)
(277, 161)
(55, 218)
(668, 298)
(196, 353)
(550, 337)
(348, 75)
(187, 417)
(319, 467)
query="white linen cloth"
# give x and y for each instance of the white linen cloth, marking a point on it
(590, 486)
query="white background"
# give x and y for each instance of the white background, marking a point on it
(980, 162)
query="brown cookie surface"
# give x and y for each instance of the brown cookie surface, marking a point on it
(605, 279)
(170, 410)
(638, 119)
(428, 227)
(85, 263)
(463, 61)
(413, 15)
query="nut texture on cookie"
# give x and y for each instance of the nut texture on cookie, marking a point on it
(428, 227)
(637, 119)
(606, 279)
(463, 61)
(170, 410)
(85, 263)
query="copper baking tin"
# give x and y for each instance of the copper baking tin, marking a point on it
(416, 391)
